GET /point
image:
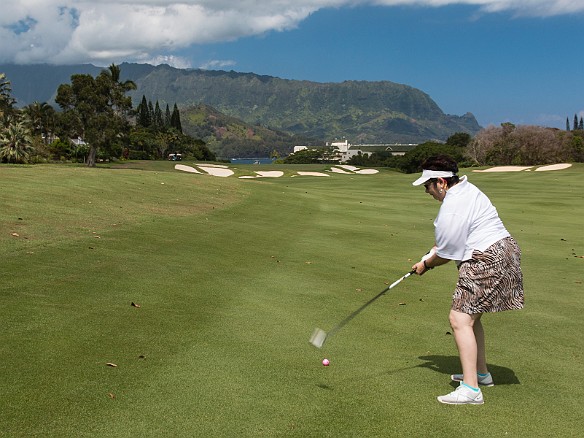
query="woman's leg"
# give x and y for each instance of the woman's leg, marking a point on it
(463, 326)
(480, 339)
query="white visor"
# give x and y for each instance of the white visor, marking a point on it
(430, 174)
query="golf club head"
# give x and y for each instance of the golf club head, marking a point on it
(318, 337)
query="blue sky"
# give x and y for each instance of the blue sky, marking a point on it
(500, 68)
(502, 60)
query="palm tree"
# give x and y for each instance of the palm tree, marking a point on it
(115, 74)
(6, 100)
(16, 143)
(120, 102)
(42, 119)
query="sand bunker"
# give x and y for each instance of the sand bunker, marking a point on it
(525, 168)
(351, 170)
(553, 167)
(222, 170)
(343, 169)
(217, 171)
(186, 168)
(505, 169)
(264, 174)
(270, 174)
(312, 174)
(337, 170)
(347, 167)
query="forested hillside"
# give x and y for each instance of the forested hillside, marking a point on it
(231, 137)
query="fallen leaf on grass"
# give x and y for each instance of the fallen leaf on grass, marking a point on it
(111, 395)
(135, 304)
(308, 263)
(15, 234)
(110, 364)
(402, 304)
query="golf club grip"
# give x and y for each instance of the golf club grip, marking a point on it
(360, 309)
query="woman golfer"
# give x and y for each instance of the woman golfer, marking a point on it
(469, 231)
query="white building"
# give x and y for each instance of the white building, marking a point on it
(343, 151)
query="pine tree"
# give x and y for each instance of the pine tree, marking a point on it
(167, 117)
(575, 126)
(144, 118)
(581, 125)
(158, 119)
(151, 113)
(175, 119)
(567, 124)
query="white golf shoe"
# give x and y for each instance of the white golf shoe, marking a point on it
(462, 395)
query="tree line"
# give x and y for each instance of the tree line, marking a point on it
(96, 122)
(503, 145)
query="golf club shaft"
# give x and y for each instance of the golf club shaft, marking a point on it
(360, 309)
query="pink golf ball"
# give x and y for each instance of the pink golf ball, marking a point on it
(326, 362)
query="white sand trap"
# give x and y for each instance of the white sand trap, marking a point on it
(270, 173)
(347, 167)
(217, 171)
(248, 177)
(312, 174)
(553, 167)
(186, 168)
(505, 169)
(367, 171)
(337, 170)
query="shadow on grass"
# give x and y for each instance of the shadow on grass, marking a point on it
(450, 365)
(441, 364)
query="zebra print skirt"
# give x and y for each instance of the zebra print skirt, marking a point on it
(491, 281)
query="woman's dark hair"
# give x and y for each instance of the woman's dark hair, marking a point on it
(445, 163)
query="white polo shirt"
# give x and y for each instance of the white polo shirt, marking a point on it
(467, 220)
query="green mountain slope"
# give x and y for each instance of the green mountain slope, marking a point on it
(231, 137)
(376, 112)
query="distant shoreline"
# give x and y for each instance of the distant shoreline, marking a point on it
(264, 160)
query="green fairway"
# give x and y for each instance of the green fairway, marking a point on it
(229, 277)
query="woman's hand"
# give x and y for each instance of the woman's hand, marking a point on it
(420, 268)
(429, 261)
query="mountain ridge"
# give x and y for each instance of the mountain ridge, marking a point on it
(363, 111)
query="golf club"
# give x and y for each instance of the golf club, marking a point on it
(319, 336)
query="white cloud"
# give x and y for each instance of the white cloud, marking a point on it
(217, 64)
(104, 31)
(173, 61)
